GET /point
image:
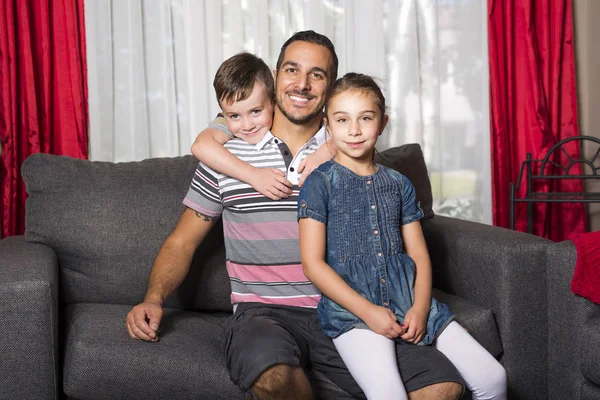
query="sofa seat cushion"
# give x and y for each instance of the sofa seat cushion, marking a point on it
(590, 337)
(590, 391)
(478, 321)
(102, 362)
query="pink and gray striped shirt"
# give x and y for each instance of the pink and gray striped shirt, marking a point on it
(261, 235)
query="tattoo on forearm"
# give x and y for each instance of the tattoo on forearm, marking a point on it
(206, 218)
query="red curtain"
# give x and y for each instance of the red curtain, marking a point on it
(533, 105)
(43, 92)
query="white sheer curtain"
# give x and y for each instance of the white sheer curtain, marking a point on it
(151, 65)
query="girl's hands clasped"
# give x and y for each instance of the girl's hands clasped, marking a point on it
(415, 322)
(382, 320)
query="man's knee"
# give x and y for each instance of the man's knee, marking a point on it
(282, 381)
(274, 378)
(451, 390)
(441, 391)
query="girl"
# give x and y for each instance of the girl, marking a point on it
(355, 217)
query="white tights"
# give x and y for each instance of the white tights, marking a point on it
(371, 359)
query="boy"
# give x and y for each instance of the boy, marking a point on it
(244, 89)
(233, 84)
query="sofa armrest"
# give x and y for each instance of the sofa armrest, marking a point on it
(505, 271)
(28, 320)
(568, 315)
(590, 363)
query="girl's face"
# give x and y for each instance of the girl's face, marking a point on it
(355, 121)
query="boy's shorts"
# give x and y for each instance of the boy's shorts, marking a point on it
(259, 336)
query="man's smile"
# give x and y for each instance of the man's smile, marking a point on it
(298, 98)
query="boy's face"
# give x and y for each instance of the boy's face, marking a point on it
(250, 119)
(302, 81)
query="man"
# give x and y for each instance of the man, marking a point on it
(273, 339)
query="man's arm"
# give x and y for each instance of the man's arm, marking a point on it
(208, 148)
(168, 271)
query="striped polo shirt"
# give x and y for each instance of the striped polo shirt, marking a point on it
(261, 235)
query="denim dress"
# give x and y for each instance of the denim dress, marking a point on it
(363, 216)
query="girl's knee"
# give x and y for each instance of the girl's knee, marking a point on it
(500, 380)
(383, 387)
(495, 386)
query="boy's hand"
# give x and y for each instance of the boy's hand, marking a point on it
(311, 162)
(415, 322)
(271, 183)
(382, 320)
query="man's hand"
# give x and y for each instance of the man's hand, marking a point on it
(271, 183)
(382, 320)
(321, 155)
(415, 322)
(170, 268)
(143, 321)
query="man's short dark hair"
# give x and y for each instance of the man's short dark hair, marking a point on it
(237, 76)
(315, 38)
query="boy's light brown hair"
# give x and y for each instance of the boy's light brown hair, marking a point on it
(237, 76)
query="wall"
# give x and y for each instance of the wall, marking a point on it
(586, 14)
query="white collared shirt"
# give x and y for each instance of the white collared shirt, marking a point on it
(307, 148)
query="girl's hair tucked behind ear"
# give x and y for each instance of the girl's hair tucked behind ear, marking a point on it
(356, 82)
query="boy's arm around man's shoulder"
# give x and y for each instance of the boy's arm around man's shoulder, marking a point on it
(170, 268)
(326, 152)
(208, 148)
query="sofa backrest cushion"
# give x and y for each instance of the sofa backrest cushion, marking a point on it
(408, 160)
(106, 222)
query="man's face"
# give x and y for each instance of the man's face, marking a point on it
(302, 81)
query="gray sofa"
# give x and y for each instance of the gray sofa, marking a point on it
(93, 230)
(574, 331)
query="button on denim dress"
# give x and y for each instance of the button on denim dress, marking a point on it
(363, 216)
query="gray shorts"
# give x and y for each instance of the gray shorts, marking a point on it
(259, 336)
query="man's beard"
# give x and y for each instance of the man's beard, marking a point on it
(303, 119)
